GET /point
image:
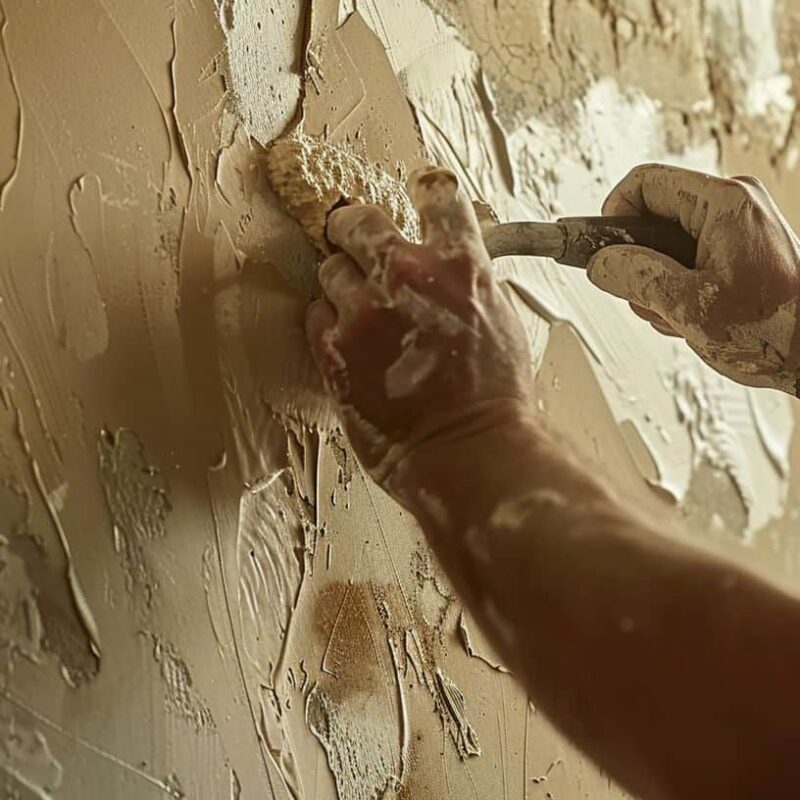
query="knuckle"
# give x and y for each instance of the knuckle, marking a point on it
(330, 267)
(357, 220)
(646, 171)
(749, 200)
(433, 176)
(465, 267)
(364, 218)
(647, 166)
(750, 182)
(411, 265)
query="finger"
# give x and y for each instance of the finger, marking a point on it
(320, 317)
(445, 211)
(341, 280)
(672, 192)
(321, 335)
(752, 181)
(649, 279)
(759, 190)
(365, 232)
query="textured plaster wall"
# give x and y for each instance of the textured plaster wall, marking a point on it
(201, 595)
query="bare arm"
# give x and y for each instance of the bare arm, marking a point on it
(670, 666)
(674, 669)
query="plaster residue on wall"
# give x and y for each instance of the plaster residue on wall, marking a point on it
(21, 629)
(272, 562)
(180, 694)
(353, 708)
(265, 56)
(138, 501)
(27, 765)
(304, 643)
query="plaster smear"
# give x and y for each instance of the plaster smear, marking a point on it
(264, 49)
(353, 707)
(182, 697)
(271, 566)
(359, 753)
(21, 629)
(138, 500)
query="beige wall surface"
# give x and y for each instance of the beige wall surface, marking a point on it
(201, 595)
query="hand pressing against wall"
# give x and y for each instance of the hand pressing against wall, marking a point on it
(416, 341)
(738, 308)
(672, 667)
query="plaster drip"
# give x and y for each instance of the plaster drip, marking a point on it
(173, 787)
(402, 700)
(138, 501)
(344, 469)
(82, 310)
(236, 787)
(271, 543)
(178, 132)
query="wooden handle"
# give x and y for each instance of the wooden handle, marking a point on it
(586, 235)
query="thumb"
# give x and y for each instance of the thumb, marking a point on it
(649, 279)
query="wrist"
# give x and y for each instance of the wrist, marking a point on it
(453, 480)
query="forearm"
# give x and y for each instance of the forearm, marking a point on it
(612, 622)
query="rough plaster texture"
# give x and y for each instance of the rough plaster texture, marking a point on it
(200, 594)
